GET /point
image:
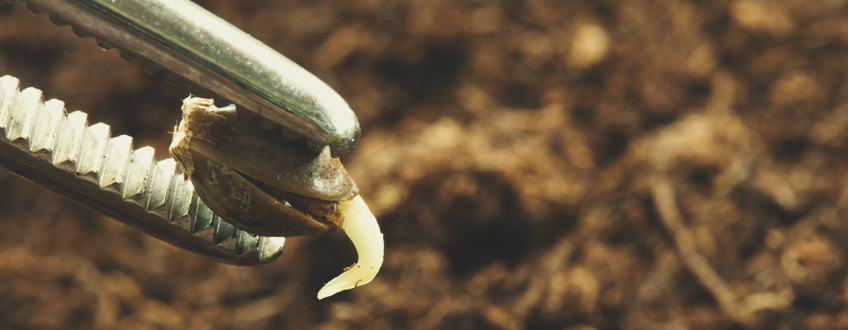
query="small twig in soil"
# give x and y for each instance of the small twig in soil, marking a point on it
(666, 205)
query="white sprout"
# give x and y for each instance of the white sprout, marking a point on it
(362, 229)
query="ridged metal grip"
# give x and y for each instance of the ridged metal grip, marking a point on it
(41, 142)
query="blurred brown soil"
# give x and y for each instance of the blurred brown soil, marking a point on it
(534, 164)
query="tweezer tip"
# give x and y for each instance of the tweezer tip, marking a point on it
(342, 145)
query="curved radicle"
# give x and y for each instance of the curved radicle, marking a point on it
(260, 181)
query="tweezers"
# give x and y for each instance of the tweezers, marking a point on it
(41, 142)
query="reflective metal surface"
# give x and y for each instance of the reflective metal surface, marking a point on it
(206, 50)
(41, 142)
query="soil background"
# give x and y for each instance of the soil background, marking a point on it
(534, 164)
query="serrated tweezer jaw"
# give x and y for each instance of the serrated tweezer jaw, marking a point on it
(41, 142)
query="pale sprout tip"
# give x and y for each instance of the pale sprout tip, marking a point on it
(362, 229)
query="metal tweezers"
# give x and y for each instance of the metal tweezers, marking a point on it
(41, 142)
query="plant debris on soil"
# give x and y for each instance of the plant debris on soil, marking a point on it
(533, 164)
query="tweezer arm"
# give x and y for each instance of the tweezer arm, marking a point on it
(195, 44)
(41, 142)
